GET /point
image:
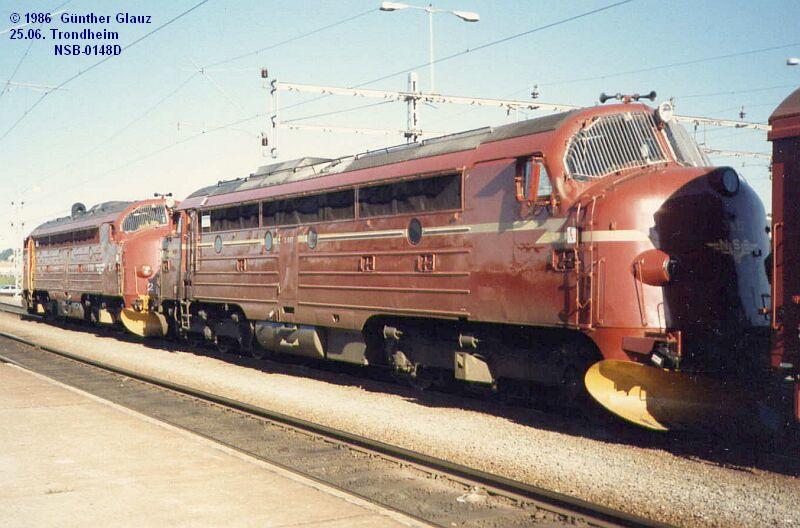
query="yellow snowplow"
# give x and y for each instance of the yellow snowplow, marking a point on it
(144, 324)
(662, 399)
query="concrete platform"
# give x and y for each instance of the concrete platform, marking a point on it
(70, 459)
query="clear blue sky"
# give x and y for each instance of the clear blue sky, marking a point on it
(73, 146)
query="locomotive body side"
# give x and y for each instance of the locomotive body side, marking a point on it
(89, 266)
(73, 261)
(785, 137)
(507, 256)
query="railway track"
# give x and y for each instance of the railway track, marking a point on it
(429, 489)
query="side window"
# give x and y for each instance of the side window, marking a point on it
(438, 193)
(545, 187)
(527, 169)
(231, 218)
(339, 205)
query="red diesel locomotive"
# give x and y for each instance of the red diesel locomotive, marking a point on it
(98, 265)
(785, 135)
(514, 256)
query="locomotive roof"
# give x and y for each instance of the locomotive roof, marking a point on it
(93, 217)
(782, 121)
(309, 167)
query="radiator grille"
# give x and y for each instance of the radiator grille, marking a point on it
(144, 216)
(613, 142)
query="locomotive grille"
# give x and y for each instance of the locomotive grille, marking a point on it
(144, 216)
(613, 142)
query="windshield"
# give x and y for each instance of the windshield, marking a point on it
(685, 148)
(145, 216)
(613, 142)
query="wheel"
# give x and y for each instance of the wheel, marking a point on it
(422, 380)
(226, 345)
(258, 352)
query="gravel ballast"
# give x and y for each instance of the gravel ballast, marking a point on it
(561, 454)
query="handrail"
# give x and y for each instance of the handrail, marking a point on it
(775, 288)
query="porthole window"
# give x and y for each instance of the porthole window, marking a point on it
(268, 241)
(414, 231)
(218, 244)
(313, 238)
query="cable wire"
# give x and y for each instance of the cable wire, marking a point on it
(292, 39)
(116, 134)
(734, 92)
(471, 50)
(334, 112)
(24, 55)
(98, 63)
(671, 65)
(159, 150)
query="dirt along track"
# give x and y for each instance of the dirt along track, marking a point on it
(429, 490)
(663, 477)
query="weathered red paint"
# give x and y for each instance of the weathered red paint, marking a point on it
(498, 274)
(104, 267)
(785, 137)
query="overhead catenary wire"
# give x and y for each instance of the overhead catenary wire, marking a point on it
(98, 63)
(671, 65)
(155, 152)
(16, 69)
(115, 134)
(204, 68)
(292, 39)
(25, 54)
(735, 92)
(472, 50)
(334, 112)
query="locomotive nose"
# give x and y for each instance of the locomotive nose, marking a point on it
(706, 273)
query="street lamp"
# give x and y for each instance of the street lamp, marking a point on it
(792, 61)
(466, 16)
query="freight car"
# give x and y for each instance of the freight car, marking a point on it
(785, 262)
(99, 265)
(515, 257)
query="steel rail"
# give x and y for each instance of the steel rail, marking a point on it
(557, 502)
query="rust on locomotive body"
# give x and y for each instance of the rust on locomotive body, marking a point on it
(97, 264)
(512, 255)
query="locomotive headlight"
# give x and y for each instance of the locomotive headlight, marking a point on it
(665, 112)
(145, 271)
(654, 267)
(726, 181)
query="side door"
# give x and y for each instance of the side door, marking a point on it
(171, 274)
(189, 239)
(288, 246)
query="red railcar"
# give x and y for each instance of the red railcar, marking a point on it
(785, 137)
(97, 264)
(511, 256)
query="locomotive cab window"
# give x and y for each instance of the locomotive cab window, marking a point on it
(532, 180)
(423, 195)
